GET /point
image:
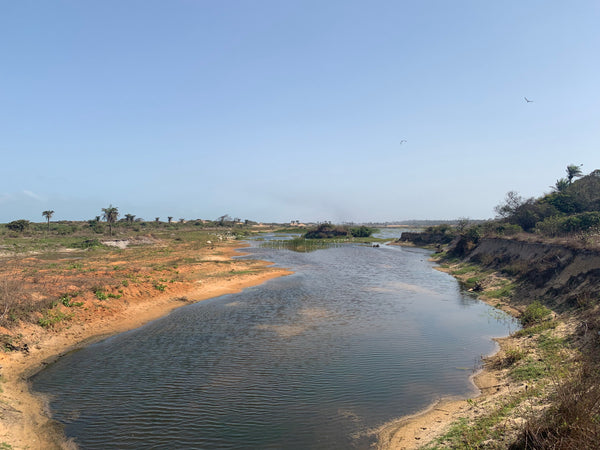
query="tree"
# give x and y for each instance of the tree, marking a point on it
(573, 171)
(512, 201)
(561, 185)
(129, 217)
(110, 215)
(170, 219)
(48, 216)
(222, 219)
(157, 219)
(18, 225)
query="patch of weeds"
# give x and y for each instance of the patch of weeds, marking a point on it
(67, 300)
(531, 369)
(75, 266)
(470, 435)
(125, 283)
(114, 295)
(160, 287)
(536, 329)
(87, 243)
(51, 318)
(100, 294)
(240, 272)
(534, 314)
(513, 355)
(465, 269)
(504, 291)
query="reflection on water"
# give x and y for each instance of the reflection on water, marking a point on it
(356, 337)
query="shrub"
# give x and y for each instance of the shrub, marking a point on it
(326, 230)
(18, 225)
(100, 294)
(362, 231)
(534, 314)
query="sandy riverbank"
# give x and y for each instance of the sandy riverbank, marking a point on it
(24, 419)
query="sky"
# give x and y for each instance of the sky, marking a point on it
(279, 110)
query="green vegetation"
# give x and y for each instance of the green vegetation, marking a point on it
(534, 314)
(52, 317)
(328, 231)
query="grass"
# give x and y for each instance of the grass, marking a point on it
(52, 317)
(482, 432)
(503, 292)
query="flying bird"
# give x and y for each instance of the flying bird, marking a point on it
(402, 141)
(527, 100)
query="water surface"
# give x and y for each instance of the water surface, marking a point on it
(356, 337)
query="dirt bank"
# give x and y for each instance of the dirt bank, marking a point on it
(24, 420)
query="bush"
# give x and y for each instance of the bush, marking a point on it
(560, 225)
(326, 230)
(362, 231)
(18, 225)
(534, 314)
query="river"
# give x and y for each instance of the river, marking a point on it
(355, 337)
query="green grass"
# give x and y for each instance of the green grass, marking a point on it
(530, 370)
(160, 287)
(100, 294)
(467, 268)
(472, 435)
(534, 314)
(51, 318)
(503, 292)
(536, 329)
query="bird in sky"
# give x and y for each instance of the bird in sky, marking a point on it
(527, 100)
(402, 141)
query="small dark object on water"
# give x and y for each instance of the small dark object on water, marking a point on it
(375, 246)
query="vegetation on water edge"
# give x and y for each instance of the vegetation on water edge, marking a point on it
(328, 231)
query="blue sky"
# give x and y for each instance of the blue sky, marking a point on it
(276, 110)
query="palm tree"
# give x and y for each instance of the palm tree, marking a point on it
(170, 219)
(129, 217)
(48, 216)
(561, 185)
(573, 171)
(110, 215)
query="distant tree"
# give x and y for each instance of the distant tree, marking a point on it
(512, 201)
(561, 185)
(170, 219)
(157, 219)
(462, 224)
(182, 220)
(48, 216)
(573, 171)
(18, 225)
(130, 217)
(111, 215)
(224, 218)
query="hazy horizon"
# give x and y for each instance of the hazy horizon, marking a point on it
(304, 110)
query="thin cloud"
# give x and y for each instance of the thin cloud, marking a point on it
(33, 195)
